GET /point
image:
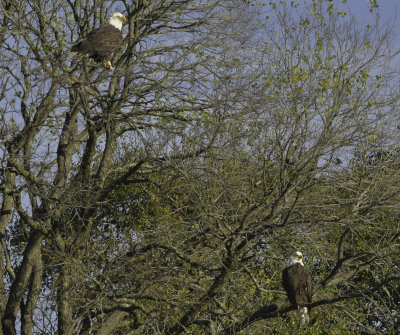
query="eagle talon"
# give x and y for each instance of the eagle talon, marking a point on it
(107, 65)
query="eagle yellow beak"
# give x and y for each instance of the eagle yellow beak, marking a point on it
(124, 19)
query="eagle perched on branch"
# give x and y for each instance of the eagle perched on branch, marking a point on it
(296, 280)
(101, 43)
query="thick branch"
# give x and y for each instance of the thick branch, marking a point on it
(277, 310)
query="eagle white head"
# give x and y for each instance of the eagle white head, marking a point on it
(297, 257)
(117, 20)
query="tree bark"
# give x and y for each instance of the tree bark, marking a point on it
(19, 285)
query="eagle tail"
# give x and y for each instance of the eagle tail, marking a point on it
(303, 315)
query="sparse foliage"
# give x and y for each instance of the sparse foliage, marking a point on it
(164, 197)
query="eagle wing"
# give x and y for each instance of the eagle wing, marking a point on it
(288, 285)
(308, 286)
(101, 42)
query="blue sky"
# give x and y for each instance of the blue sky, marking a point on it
(389, 11)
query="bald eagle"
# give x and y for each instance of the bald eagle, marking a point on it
(296, 280)
(102, 42)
